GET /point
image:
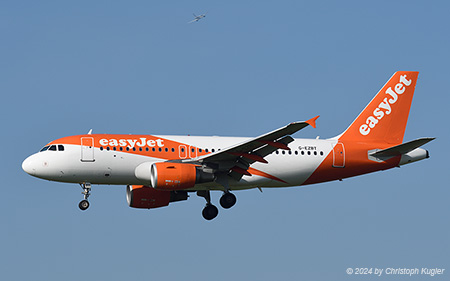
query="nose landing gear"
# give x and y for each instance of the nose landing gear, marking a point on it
(84, 204)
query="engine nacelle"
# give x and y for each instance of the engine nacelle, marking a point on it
(177, 176)
(145, 197)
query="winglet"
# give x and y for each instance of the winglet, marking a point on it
(312, 121)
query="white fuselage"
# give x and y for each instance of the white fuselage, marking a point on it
(116, 167)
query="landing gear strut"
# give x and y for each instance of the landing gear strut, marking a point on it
(84, 204)
(210, 211)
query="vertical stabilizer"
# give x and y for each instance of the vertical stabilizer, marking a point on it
(384, 118)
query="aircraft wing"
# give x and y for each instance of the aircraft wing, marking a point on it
(238, 158)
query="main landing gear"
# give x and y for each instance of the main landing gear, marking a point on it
(210, 211)
(227, 200)
(84, 204)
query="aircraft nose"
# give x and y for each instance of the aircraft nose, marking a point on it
(28, 165)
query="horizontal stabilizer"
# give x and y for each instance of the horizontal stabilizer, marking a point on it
(400, 149)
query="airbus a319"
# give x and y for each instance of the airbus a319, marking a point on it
(158, 170)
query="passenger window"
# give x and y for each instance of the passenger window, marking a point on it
(199, 150)
(206, 150)
(60, 147)
(182, 149)
(166, 149)
(52, 148)
(173, 149)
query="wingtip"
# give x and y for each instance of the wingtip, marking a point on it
(312, 121)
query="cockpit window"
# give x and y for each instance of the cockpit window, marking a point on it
(44, 148)
(54, 147)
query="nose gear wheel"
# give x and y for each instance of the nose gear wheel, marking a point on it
(84, 204)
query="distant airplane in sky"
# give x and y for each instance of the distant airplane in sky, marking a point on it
(158, 170)
(197, 18)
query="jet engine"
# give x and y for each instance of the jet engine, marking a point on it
(145, 197)
(177, 176)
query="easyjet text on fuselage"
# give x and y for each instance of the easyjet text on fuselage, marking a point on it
(140, 142)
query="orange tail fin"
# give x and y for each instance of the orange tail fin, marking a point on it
(384, 118)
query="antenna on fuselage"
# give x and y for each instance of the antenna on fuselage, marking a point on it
(90, 132)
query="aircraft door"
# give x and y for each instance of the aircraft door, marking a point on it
(192, 152)
(87, 149)
(182, 151)
(339, 155)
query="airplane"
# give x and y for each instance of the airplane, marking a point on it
(197, 18)
(158, 170)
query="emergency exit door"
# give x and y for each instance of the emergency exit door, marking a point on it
(339, 155)
(87, 149)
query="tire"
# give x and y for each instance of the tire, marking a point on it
(227, 200)
(210, 212)
(83, 205)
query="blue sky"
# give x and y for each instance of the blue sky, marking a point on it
(249, 67)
